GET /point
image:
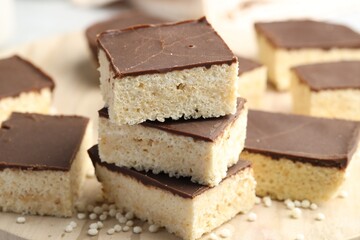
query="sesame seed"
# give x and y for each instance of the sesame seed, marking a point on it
(251, 217)
(313, 206)
(117, 228)
(93, 232)
(93, 216)
(296, 213)
(225, 233)
(343, 194)
(73, 224)
(305, 203)
(112, 206)
(81, 216)
(153, 228)
(122, 220)
(93, 226)
(297, 203)
(320, 217)
(98, 210)
(20, 220)
(130, 223)
(110, 231)
(137, 229)
(69, 229)
(290, 205)
(112, 212)
(126, 228)
(100, 225)
(90, 208)
(103, 217)
(105, 207)
(129, 215)
(267, 201)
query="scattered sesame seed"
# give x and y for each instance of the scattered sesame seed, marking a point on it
(73, 224)
(320, 217)
(103, 217)
(130, 223)
(112, 212)
(213, 236)
(81, 216)
(117, 228)
(69, 229)
(137, 229)
(100, 225)
(20, 220)
(297, 203)
(93, 232)
(118, 215)
(257, 201)
(299, 237)
(286, 201)
(251, 217)
(110, 231)
(90, 208)
(153, 228)
(296, 213)
(126, 228)
(343, 194)
(129, 215)
(305, 203)
(93, 216)
(313, 206)
(122, 220)
(112, 206)
(225, 233)
(267, 201)
(93, 226)
(290, 205)
(105, 207)
(98, 210)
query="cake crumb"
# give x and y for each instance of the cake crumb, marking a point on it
(343, 194)
(21, 220)
(225, 233)
(252, 217)
(153, 228)
(320, 217)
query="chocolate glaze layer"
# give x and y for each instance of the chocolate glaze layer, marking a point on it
(182, 186)
(163, 48)
(40, 142)
(18, 75)
(208, 129)
(124, 20)
(334, 75)
(318, 141)
(295, 34)
(246, 65)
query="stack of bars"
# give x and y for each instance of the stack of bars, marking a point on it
(173, 127)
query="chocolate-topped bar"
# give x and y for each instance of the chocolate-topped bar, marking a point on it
(43, 157)
(294, 34)
(170, 69)
(299, 152)
(204, 147)
(183, 203)
(285, 44)
(23, 87)
(252, 81)
(124, 20)
(329, 90)
(203, 129)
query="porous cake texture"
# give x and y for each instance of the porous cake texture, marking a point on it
(299, 157)
(286, 44)
(202, 149)
(329, 90)
(42, 164)
(179, 70)
(252, 81)
(187, 209)
(23, 88)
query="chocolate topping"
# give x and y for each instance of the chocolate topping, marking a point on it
(163, 48)
(295, 34)
(124, 20)
(208, 129)
(246, 65)
(40, 142)
(318, 141)
(18, 75)
(334, 75)
(182, 186)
